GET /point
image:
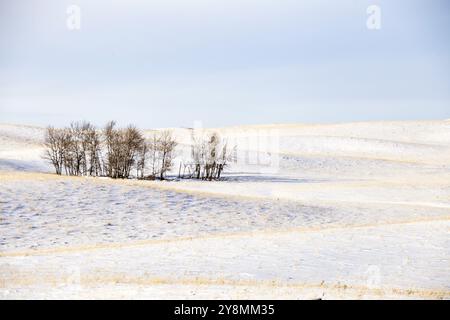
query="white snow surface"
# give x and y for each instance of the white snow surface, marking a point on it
(354, 210)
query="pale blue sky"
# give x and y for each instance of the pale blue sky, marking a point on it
(223, 62)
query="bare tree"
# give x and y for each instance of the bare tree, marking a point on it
(153, 152)
(198, 153)
(55, 142)
(165, 146)
(91, 145)
(142, 160)
(110, 140)
(75, 158)
(133, 141)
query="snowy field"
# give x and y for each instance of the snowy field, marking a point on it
(356, 210)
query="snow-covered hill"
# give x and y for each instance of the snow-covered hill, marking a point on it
(356, 210)
(21, 148)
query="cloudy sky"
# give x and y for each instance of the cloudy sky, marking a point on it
(167, 63)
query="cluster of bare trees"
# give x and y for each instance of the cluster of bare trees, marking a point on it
(75, 149)
(209, 154)
(157, 153)
(123, 146)
(81, 149)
